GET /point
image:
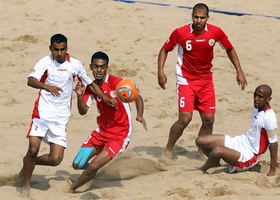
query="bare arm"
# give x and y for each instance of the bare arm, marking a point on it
(80, 90)
(35, 83)
(140, 111)
(97, 91)
(240, 77)
(162, 79)
(273, 148)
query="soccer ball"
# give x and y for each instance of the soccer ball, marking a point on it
(127, 90)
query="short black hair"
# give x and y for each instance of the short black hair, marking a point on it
(58, 38)
(100, 55)
(201, 6)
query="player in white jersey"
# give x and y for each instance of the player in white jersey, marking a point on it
(243, 152)
(54, 76)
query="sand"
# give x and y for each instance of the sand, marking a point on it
(132, 35)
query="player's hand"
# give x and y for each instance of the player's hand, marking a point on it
(80, 88)
(142, 121)
(110, 101)
(241, 80)
(162, 80)
(54, 90)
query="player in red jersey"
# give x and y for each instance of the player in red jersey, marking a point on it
(114, 125)
(54, 76)
(195, 89)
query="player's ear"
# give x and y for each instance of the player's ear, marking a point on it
(268, 99)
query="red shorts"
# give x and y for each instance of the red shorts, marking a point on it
(113, 145)
(196, 97)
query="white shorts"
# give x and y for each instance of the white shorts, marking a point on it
(247, 158)
(51, 132)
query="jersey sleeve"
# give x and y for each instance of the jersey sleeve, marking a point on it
(82, 74)
(39, 69)
(270, 124)
(171, 41)
(88, 97)
(223, 40)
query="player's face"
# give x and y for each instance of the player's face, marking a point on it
(59, 51)
(261, 99)
(99, 68)
(199, 18)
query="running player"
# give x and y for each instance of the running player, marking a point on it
(54, 76)
(114, 125)
(243, 152)
(195, 89)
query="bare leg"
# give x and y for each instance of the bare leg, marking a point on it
(30, 160)
(89, 173)
(230, 156)
(205, 129)
(175, 132)
(54, 158)
(29, 164)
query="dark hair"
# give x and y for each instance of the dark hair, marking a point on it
(100, 55)
(58, 38)
(201, 6)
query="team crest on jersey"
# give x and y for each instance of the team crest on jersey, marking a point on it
(113, 93)
(211, 42)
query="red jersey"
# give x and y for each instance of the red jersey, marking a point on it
(195, 52)
(111, 120)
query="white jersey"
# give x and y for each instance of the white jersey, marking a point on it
(255, 142)
(256, 136)
(50, 72)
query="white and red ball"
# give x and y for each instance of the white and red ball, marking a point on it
(127, 90)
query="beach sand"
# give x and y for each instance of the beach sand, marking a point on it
(132, 35)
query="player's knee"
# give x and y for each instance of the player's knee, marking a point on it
(82, 158)
(32, 152)
(184, 121)
(200, 141)
(78, 165)
(217, 151)
(208, 121)
(55, 160)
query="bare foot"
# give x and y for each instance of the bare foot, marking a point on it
(166, 156)
(25, 192)
(70, 190)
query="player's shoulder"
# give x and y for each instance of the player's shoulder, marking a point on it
(184, 27)
(46, 59)
(113, 78)
(74, 60)
(269, 111)
(112, 81)
(213, 27)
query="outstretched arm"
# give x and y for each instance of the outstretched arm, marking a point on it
(162, 79)
(240, 77)
(140, 111)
